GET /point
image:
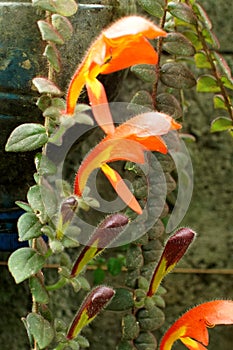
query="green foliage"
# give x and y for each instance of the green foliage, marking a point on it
(40, 329)
(24, 263)
(27, 137)
(61, 7)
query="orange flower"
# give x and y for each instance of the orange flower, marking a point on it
(191, 328)
(127, 142)
(120, 46)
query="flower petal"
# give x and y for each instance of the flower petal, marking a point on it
(193, 324)
(133, 25)
(126, 54)
(121, 188)
(100, 107)
(107, 151)
(192, 344)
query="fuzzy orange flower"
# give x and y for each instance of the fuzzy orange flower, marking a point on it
(120, 46)
(191, 328)
(128, 142)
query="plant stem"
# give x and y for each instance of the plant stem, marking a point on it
(215, 71)
(159, 50)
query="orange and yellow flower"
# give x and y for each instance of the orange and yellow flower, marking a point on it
(191, 328)
(120, 46)
(128, 142)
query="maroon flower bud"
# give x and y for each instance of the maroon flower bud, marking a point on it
(175, 248)
(96, 300)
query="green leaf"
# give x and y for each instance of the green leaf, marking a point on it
(49, 33)
(193, 38)
(207, 83)
(40, 329)
(141, 100)
(63, 26)
(38, 290)
(221, 124)
(177, 75)
(123, 300)
(222, 65)
(219, 102)
(146, 72)
(46, 86)
(53, 57)
(178, 44)
(150, 319)
(44, 165)
(153, 7)
(44, 102)
(182, 11)
(26, 137)
(202, 15)
(210, 38)
(24, 263)
(82, 341)
(98, 275)
(167, 103)
(130, 327)
(145, 340)
(201, 60)
(25, 206)
(228, 83)
(29, 227)
(63, 7)
(114, 266)
(35, 200)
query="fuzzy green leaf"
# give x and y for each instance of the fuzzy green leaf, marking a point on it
(63, 26)
(177, 75)
(130, 327)
(168, 104)
(146, 72)
(178, 44)
(152, 7)
(182, 11)
(207, 83)
(38, 290)
(201, 60)
(122, 300)
(221, 124)
(53, 57)
(49, 33)
(44, 165)
(26, 137)
(62, 7)
(24, 263)
(146, 341)
(29, 227)
(46, 86)
(141, 100)
(40, 329)
(35, 200)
